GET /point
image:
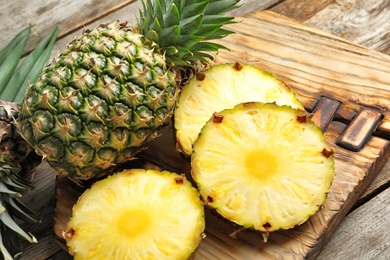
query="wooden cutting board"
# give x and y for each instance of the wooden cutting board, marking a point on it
(346, 87)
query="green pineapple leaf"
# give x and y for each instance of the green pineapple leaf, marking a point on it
(170, 23)
(11, 45)
(7, 220)
(11, 193)
(220, 6)
(10, 62)
(169, 36)
(172, 16)
(20, 210)
(191, 25)
(193, 9)
(3, 251)
(189, 40)
(30, 69)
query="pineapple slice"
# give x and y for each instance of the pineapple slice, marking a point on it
(221, 87)
(137, 214)
(263, 166)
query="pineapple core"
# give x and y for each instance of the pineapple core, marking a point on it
(261, 164)
(134, 222)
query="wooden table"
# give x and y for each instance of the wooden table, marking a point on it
(363, 234)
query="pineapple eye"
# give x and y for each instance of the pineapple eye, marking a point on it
(238, 66)
(69, 233)
(302, 118)
(327, 152)
(200, 76)
(179, 180)
(217, 118)
(267, 226)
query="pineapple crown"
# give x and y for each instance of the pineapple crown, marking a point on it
(182, 29)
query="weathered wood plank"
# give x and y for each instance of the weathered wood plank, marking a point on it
(312, 64)
(381, 181)
(362, 22)
(359, 22)
(250, 6)
(42, 201)
(68, 15)
(362, 234)
(300, 10)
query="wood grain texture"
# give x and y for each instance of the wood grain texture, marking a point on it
(358, 76)
(42, 201)
(301, 10)
(68, 15)
(358, 22)
(324, 112)
(247, 6)
(360, 129)
(362, 234)
(380, 183)
(362, 22)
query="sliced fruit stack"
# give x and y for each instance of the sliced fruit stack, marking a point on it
(261, 164)
(221, 87)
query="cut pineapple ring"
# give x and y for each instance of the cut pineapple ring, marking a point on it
(222, 87)
(263, 166)
(137, 214)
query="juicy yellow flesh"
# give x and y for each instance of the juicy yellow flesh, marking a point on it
(223, 87)
(261, 164)
(261, 168)
(137, 214)
(134, 222)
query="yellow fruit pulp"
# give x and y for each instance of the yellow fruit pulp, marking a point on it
(261, 167)
(223, 87)
(137, 214)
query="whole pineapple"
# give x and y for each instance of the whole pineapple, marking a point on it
(137, 214)
(263, 166)
(112, 89)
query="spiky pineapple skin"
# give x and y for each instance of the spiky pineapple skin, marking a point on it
(98, 102)
(13, 148)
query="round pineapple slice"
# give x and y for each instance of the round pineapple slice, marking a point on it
(263, 166)
(221, 87)
(137, 214)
